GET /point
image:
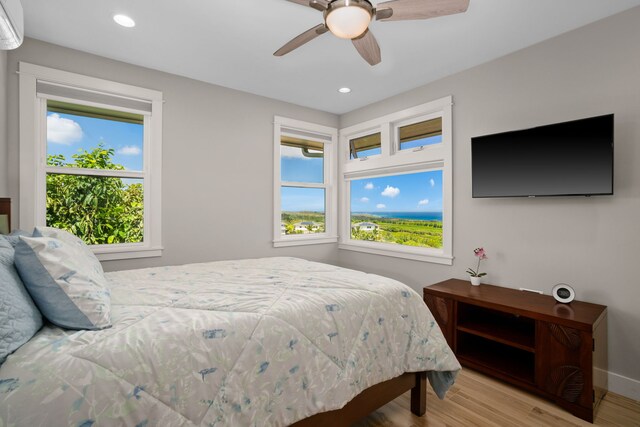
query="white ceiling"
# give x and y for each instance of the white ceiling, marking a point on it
(230, 42)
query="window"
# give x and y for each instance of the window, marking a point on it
(87, 151)
(420, 134)
(399, 203)
(304, 196)
(365, 146)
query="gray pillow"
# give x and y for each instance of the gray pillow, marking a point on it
(19, 317)
(66, 282)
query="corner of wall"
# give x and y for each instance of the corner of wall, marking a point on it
(4, 174)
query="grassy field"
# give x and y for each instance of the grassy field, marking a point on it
(390, 230)
(407, 232)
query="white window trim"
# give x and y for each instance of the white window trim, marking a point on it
(328, 136)
(394, 161)
(33, 152)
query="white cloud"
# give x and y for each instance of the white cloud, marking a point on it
(294, 152)
(381, 206)
(130, 150)
(364, 200)
(368, 186)
(63, 131)
(423, 202)
(390, 191)
(432, 182)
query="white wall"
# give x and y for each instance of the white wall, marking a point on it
(591, 243)
(217, 191)
(3, 124)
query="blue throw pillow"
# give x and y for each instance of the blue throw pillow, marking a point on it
(19, 317)
(65, 282)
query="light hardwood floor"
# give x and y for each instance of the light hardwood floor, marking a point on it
(477, 400)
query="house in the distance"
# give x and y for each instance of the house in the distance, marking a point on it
(307, 227)
(366, 226)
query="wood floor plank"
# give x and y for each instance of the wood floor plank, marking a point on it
(478, 400)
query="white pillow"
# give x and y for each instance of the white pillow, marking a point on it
(70, 239)
(64, 282)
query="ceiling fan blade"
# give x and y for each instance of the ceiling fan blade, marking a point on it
(398, 10)
(368, 48)
(303, 38)
(320, 5)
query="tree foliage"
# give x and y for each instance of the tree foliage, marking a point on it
(99, 210)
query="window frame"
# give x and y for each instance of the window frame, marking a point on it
(33, 152)
(313, 132)
(393, 161)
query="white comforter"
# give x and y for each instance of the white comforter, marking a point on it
(234, 343)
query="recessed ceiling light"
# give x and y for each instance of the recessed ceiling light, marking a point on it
(344, 90)
(124, 20)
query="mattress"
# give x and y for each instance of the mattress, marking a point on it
(234, 343)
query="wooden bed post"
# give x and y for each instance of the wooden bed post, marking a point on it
(419, 395)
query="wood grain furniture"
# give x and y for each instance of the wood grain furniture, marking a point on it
(527, 339)
(373, 398)
(5, 209)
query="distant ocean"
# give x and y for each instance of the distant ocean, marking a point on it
(419, 216)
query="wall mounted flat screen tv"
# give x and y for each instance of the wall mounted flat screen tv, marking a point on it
(564, 159)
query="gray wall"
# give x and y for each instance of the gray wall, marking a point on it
(591, 243)
(3, 124)
(217, 159)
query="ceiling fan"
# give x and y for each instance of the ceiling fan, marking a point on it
(350, 19)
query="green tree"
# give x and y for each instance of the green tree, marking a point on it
(99, 210)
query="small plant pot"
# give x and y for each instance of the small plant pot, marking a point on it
(475, 281)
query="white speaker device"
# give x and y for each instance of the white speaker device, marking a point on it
(11, 24)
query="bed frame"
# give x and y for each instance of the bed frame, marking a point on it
(373, 398)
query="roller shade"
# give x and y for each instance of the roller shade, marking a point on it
(311, 149)
(364, 143)
(45, 89)
(421, 130)
(94, 112)
(290, 141)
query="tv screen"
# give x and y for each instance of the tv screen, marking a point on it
(564, 159)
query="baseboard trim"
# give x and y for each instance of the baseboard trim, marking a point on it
(621, 385)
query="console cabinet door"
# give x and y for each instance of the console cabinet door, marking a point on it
(442, 310)
(563, 364)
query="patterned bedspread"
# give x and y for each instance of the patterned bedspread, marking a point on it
(234, 343)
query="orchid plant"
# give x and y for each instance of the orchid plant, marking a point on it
(481, 254)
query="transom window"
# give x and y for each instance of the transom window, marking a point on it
(420, 134)
(365, 146)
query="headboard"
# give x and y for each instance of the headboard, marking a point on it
(5, 215)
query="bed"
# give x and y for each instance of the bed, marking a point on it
(272, 341)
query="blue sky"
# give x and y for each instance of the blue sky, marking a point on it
(414, 192)
(296, 199)
(294, 167)
(68, 134)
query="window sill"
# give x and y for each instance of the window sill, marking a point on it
(105, 253)
(300, 241)
(399, 252)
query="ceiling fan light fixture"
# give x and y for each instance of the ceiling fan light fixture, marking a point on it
(348, 19)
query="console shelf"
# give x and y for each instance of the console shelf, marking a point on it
(526, 339)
